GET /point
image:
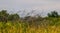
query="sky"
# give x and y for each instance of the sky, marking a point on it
(44, 6)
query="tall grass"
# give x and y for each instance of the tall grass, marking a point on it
(20, 27)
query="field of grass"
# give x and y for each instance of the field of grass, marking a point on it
(19, 27)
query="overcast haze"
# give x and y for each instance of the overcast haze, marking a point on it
(15, 5)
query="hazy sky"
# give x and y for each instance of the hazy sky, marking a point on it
(15, 5)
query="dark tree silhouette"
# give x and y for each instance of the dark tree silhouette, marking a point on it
(4, 15)
(53, 14)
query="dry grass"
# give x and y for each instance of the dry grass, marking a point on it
(25, 28)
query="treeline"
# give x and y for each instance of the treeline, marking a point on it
(4, 17)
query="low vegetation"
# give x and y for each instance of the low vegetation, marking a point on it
(13, 23)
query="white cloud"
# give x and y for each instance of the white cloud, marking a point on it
(22, 4)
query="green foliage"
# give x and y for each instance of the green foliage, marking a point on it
(53, 14)
(13, 17)
(4, 16)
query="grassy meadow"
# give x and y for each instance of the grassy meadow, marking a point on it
(13, 23)
(52, 25)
